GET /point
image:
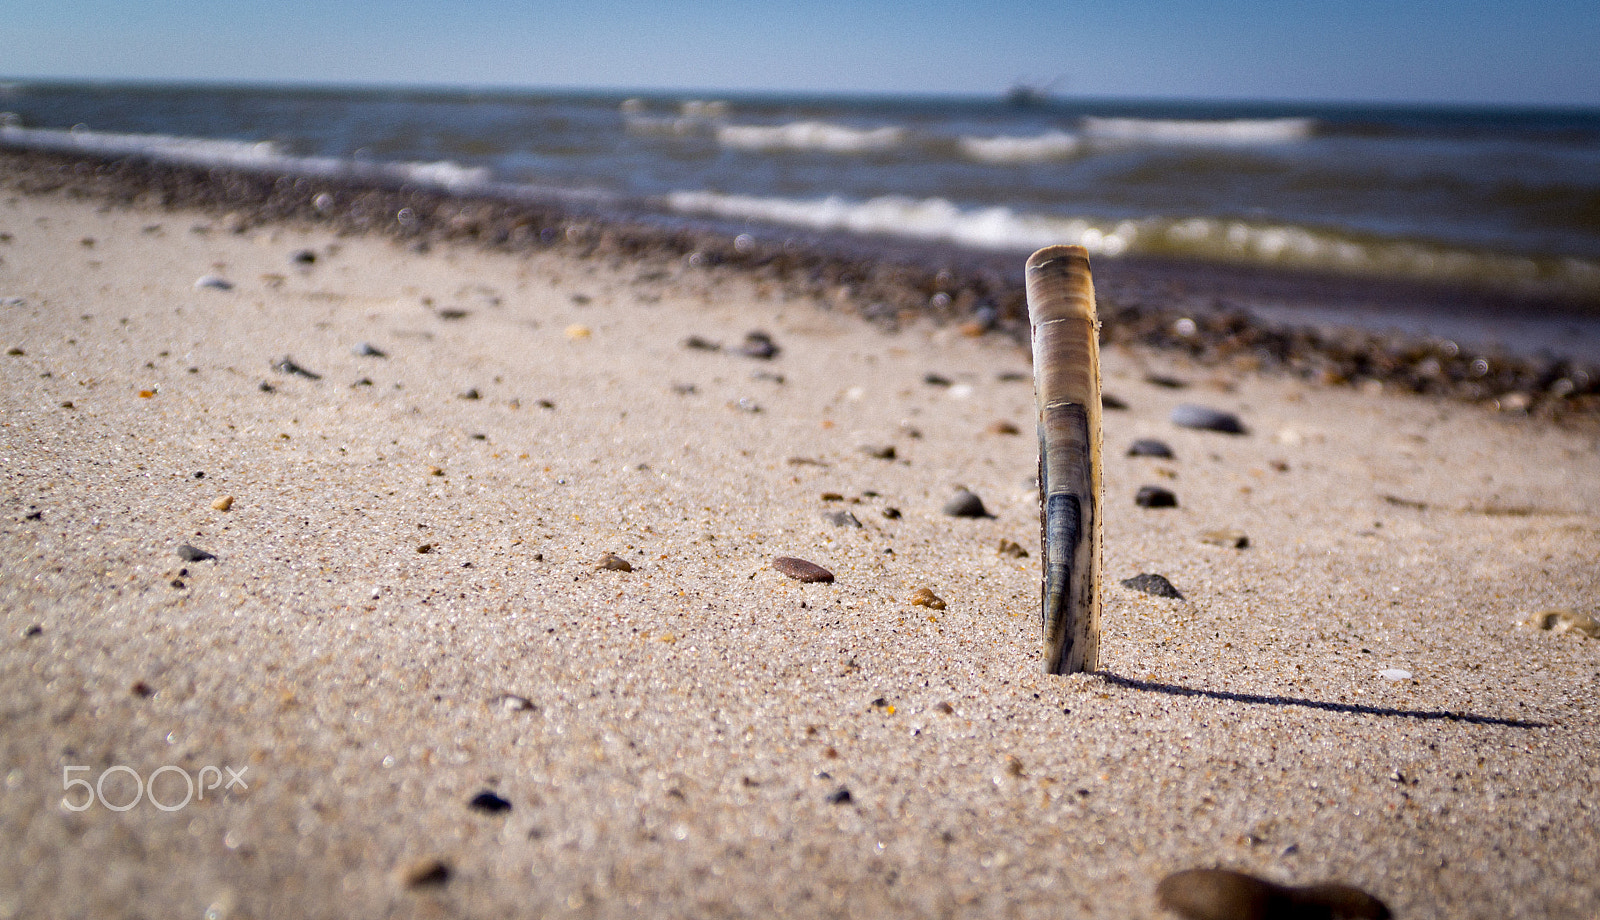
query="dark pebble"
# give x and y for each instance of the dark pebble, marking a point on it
(304, 257)
(697, 343)
(1155, 497)
(1165, 382)
(842, 797)
(884, 452)
(801, 570)
(892, 513)
(1150, 447)
(34, 630)
(1206, 419)
(1107, 401)
(937, 380)
(1152, 584)
(487, 801)
(368, 350)
(471, 394)
(193, 553)
(966, 504)
(267, 387)
(841, 519)
(1221, 894)
(611, 562)
(286, 365)
(759, 345)
(428, 873)
(451, 313)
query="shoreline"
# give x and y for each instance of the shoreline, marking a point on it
(1223, 316)
(344, 515)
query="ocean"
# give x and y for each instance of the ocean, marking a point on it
(1497, 199)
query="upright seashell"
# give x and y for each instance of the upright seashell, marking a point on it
(1066, 377)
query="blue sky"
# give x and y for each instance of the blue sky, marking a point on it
(1539, 52)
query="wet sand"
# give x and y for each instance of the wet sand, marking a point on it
(405, 608)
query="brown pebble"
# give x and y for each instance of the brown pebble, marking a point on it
(922, 597)
(224, 503)
(611, 562)
(1012, 548)
(1221, 894)
(801, 570)
(1003, 427)
(425, 548)
(426, 873)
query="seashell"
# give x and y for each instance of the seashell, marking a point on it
(1066, 377)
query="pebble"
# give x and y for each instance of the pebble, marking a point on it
(1155, 497)
(368, 350)
(1107, 401)
(470, 394)
(426, 873)
(511, 702)
(841, 797)
(966, 504)
(1151, 583)
(1395, 674)
(1189, 415)
(1560, 621)
(698, 343)
(286, 365)
(1222, 894)
(879, 452)
(841, 519)
(1150, 447)
(213, 282)
(488, 801)
(937, 380)
(759, 345)
(1232, 539)
(578, 331)
(224, 503)
(801, 570)
(611, 562)
(923, 597)
(1011, 548)
(1003, 428)
(193, 553)
(303, 257)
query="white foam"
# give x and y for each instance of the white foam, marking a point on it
(254, 156)
(810, 135)
(927, 219)
(1224, 132)
(1052, 145)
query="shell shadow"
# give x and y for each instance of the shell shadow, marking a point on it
(1353, 708)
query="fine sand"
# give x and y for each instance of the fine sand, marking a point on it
(414, 537)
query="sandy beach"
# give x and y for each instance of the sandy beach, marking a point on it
(405, 609)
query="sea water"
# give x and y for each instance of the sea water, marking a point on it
(1501, 198)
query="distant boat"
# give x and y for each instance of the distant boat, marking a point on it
(1027, 94)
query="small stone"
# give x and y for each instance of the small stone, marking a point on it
(1107, 401)
(425, 548)
(193, 553)
(1206, 419)
(937, 380)
(303, 257)
(879, 452)
(1011, 548)
(841, 797)
(1222, 894)
(1003, 428)
(470, 394)
(224, 503)
(1560, 621)
(944, 708)
(801, 570)
(841, 519)
(1232, 539)
(1150, 447)
(1395, 674)
(1151, 583)
(488, 801)
(697, 343)
(611, 562)
(286, 365)
(511, 702)
(578, 331)
(452, 313)
(892, 513)
(1155, 497)
(759, 345)
(213, 282)
(1166, 382)
(922, 597)
(368, 350)
(15, 352)
(426, 873)
(966, 504)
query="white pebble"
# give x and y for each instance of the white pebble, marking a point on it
(1394, 674)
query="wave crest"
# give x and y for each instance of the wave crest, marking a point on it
(810, 135)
